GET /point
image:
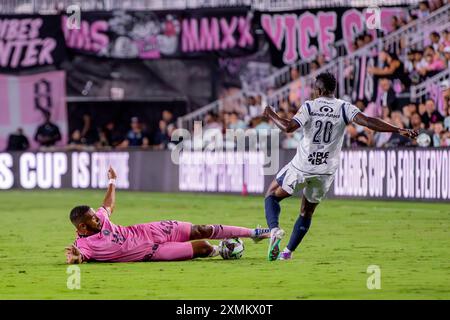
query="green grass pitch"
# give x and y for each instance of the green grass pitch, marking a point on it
(409, 241)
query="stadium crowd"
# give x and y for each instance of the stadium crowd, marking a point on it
(397, 74)
(92, 137)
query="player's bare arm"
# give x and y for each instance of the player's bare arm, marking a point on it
(285, 125)
(110, 197)
(382, 126)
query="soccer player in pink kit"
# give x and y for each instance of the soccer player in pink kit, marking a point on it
(101, 240)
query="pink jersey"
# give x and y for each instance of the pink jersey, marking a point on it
(117, 243)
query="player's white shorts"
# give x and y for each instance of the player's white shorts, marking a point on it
(315, 187)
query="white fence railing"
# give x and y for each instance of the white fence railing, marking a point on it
(231, 102)
(27, 6)
(440, 82)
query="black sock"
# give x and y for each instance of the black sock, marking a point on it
(272, 209)
(301, 227)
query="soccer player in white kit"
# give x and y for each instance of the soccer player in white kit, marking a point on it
(312, 170)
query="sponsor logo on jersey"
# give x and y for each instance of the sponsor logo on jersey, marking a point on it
(318, 158)
(326, 109)
(323, 114)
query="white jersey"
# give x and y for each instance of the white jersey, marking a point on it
(323, 121)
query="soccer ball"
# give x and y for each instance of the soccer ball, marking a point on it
(231, 248)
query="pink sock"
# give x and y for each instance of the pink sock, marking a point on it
(224, 232)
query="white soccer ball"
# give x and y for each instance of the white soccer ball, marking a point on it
(231, 248)
(423, 140)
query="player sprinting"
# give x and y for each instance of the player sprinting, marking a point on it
(101, 240)
(313, 168)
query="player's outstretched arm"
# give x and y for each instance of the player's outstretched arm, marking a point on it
(382, 126)
(284, 124)
(110, 197)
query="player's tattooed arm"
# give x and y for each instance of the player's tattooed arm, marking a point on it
(110, 198)
(285, 125)
(382, 126)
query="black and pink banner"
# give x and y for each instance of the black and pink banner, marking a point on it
(302, 34)
(30, 41)
(161, 34)
(39, 40)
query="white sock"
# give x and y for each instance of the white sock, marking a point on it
(287, 250)
(215, 251)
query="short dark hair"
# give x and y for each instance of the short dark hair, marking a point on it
(77, 213)
(435, 34)
(326, 82)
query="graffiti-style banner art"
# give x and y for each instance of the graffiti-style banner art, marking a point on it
(30, 41)
(161, 34)
(302, 34)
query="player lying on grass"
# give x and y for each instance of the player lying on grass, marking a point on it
(101, 240)
(312, 170)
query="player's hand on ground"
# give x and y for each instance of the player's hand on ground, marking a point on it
(409, 133)
(111, 173)
(73, 255)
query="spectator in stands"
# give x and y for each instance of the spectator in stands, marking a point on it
(446, 53)
(392, 68)
(447, 110)
(435, 40)
(433, 63)
(396, 23)
(103, 142)
(416, 122)
(260, 123)
(212, 121)
(410, 61)
(253, 107)
(314, 65)
(88, 133)
(431, 115)
(359, 42)
(419, 59)
(17, 141)
(424, 10)
(161, 137)
(167, 116)
(76, 141)
(291, 140)
(438, 135)
(170, 130)
(136, 137)
(235, 122)
(368, 38)
(397, 140)
(355, 138)
(294, 87)
(321, 60)
(446, 38)
(48, 133)
(388, 96)
(110, 136)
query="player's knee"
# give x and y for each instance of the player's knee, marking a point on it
(202, 249)
(201, 232)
